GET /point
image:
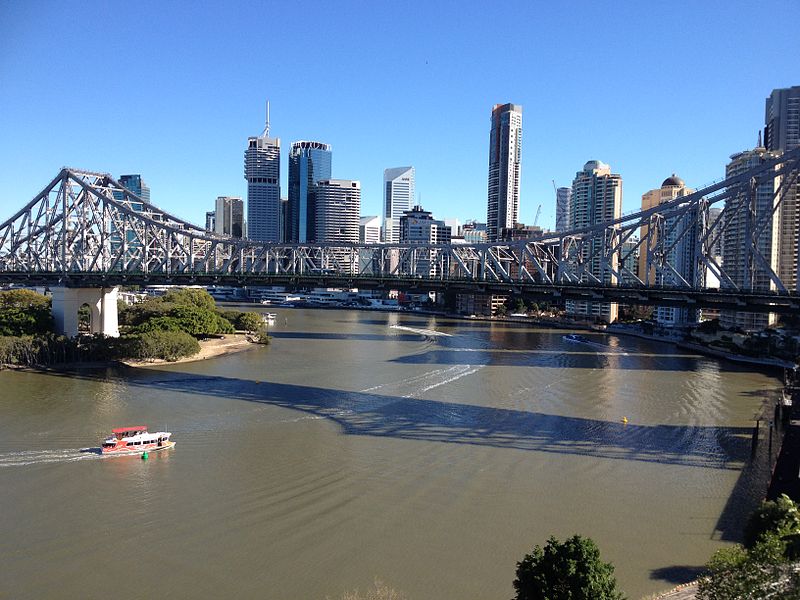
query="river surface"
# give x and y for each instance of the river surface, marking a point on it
(431, 453)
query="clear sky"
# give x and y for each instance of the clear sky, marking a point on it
(173, 89)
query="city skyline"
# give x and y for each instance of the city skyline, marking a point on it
(373, 127)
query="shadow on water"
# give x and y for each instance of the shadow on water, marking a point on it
(677, 574)
(367, 414)
(589, 358)
(368, 337)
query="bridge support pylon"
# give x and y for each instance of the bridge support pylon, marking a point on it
(102, 310)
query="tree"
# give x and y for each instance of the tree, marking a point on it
(571, 570)
(761, 572)
(195, 321)
(779, 516)
(166, 345)
(190, 297)
(23, 312)
(250, 321)
(761, 568)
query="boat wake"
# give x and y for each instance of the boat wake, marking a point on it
(39, 457)
(429, 332)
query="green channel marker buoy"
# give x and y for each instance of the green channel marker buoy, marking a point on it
(144, 455)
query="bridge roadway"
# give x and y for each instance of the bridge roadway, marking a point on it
(711, 298)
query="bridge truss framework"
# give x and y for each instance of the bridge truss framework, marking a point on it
(85, 229)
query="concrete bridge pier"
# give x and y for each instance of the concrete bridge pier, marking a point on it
(102, 310)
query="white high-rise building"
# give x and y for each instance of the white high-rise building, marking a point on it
(596, 198)
(398, 197)
(738, 235)
(262, 169)
(369, 230)
(338, 206)
(505, 161)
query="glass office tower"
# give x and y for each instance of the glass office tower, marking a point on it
(309, 163)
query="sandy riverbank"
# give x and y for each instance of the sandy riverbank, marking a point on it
(209, 348)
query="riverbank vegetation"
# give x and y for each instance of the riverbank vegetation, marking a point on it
(168, 327)
(766, 565)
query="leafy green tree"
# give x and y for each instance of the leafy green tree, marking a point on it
(232, 316)
(761, 568)
(571, 570)
(520, 307)
(193, 320)
(165, 345)
(781, 517)
(760, 572)
(190, 297)
(24, 312)
(139, 313)
(250, 321)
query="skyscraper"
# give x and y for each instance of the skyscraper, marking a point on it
(309, 162)
(505, 160)
(229, 216)
(680, 239)
(262, 170)
(596, 198)
(738, 236)
(782, 133)
(338, 209)
(398, 197)
(417, 226)
(369, 230)
(563, 200)
(671, 188)
(136, 184)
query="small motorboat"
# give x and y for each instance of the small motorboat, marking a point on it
(574, 337)
(135, 440)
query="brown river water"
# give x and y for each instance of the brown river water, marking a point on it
(429, 452)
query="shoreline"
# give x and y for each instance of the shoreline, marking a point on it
(209, 348)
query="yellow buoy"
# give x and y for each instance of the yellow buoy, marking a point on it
(625, 420)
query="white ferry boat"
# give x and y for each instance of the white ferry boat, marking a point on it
(136, 440)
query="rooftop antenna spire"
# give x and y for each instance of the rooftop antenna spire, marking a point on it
(266, 126)
(759, 139)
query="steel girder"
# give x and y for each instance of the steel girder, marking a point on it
(86, 222)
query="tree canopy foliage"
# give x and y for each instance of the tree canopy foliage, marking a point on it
(165, 345)
(190, 310)
(571, 570)
(24, 312)
(190, 297)
(766, 565)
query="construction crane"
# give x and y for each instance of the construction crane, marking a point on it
(536, 218)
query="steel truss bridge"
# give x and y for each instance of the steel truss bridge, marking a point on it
(86, 230)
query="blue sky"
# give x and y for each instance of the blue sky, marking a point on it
(173, 89)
